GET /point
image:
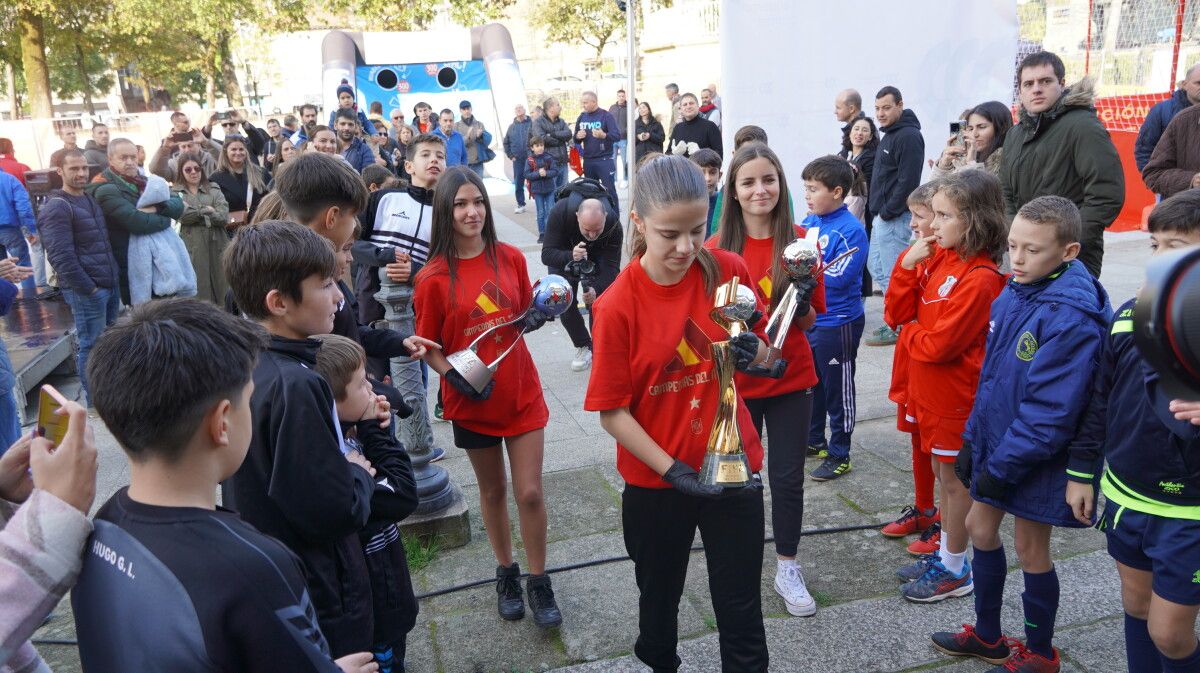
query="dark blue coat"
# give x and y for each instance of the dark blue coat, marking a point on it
(1043, 350)
(1156, 122)
(899, 160)
(75, 238)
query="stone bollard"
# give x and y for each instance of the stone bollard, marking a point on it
(442, 512)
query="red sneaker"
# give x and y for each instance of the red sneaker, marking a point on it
(1024, 660)
(911, 522)
(929, 542)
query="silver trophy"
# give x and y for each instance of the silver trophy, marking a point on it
(552, 296)
(801, 260)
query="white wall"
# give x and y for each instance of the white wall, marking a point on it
(783, 62)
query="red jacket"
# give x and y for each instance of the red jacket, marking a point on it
(943, 307)
(10, 165)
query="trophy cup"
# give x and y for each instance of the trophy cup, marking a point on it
(725, 462)
(801, 260)
(551, 297)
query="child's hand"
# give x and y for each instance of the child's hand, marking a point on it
(383, 411)
(359, 662)
(400, 271)
(418, 346)
(1082, 499)
(361, 461)
(1186, 411)
(919, 252)
(68, 470)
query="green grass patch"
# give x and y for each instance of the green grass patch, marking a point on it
(853, 505)
(420, 551)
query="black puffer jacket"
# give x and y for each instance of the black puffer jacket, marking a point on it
(76, 242)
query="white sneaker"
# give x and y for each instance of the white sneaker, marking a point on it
(789, 584)
(583, 359)
(519, 209)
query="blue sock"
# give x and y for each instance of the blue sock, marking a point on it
(385, 658)
(1140, 652)
(1041, 608)
(1188, 664)
(990, 568)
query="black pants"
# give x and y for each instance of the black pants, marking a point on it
(572, 321)
(787, 419)
(659, 526)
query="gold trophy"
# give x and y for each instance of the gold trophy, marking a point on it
(725, 463)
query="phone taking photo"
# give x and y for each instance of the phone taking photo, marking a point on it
(51, 424)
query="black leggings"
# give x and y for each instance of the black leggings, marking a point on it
(572, 321)
(659, 526)
(787, 418)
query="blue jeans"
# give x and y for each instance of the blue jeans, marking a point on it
(620, 155)
(15, 245)
(92, 314)
(477, 168)
(889, 240)
(38, 258)
(519, 165)
(544, 203)
(10, 427)
(560, 180)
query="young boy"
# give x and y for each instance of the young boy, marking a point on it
(835, 336)
(396, 225)
(1152, 517)
(921, 517)
(541, 169)
(710, 164)
(300, 483)
(1042, 354)
(206, 590)
(342, 363)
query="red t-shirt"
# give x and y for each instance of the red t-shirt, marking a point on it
(652, 352)
(759, 255)
(943, 307)
(483, 297)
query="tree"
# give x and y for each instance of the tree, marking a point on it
(33, 57)
(592, 22)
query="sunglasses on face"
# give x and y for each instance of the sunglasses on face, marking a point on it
(228, 124)
(191, 169)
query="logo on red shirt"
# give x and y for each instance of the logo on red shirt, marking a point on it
(766, 285)
(694, 347)
(490, 300)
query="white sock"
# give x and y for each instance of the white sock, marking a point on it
(951, 561)
(783, 563)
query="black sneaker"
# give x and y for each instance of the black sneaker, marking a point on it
(509, 602)
(818, 450)
(830, 469)
(966, 643)
(541, 600)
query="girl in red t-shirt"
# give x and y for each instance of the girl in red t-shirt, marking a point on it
(653, 382)
(941, 299)
(757, 225)
(473, 282)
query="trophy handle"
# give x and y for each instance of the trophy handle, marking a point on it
(781, 318)
(494, 328)
(496, 362)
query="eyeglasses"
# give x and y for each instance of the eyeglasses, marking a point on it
(228, 124)
(191, 169)
(382, 134)
(396, 118)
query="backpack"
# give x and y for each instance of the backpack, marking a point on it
(586, 188)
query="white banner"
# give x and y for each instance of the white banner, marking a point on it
(784, 61)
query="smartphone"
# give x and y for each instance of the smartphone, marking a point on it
(222, 116)
(181, 137)
(50, 424)
(958, 129)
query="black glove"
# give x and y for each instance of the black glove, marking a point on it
(775, 371)
(745, 349)
(804, 291)
(533, 320)
(684, 479)
(467, 389)
(987, 486)
(962, 464)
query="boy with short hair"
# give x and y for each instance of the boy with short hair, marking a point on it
(1152, 517)
(835, 335)
(396, 226)
(710, 164)
(208, 590)
(342, 363)
(1042, 353)
(300, 483)
(542, 172)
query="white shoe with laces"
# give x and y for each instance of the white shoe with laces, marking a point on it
(519, 209)
(583, 359)
(789, 584)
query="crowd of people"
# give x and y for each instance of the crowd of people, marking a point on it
(1020, 388)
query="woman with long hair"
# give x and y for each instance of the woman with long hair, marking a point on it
(982, 141)
(473, 282)
(242, 182)
(654, 382)
(858, 147)
(202, 225)
(284, 151)
(649, 133)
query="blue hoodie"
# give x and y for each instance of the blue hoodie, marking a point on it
(1153, 458)
(15, 209)
(838, 232)
(1043, 352)
(456, 147)
(1156, 122)
(359, 154)
(597, 148)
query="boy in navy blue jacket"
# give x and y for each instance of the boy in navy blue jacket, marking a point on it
(1043, 349)
(837, 332)
(540, 169)
(1152, 483)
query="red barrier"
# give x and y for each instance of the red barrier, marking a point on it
(1138, 199)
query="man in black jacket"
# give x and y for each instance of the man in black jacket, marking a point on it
(583, 245)
(694, 132)
(899, 160)
(75, 238)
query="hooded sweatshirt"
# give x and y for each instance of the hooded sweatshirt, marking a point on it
(1043, 351)
(899, 160)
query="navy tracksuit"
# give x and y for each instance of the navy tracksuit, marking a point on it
(597, 153)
